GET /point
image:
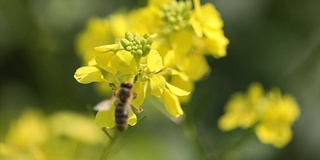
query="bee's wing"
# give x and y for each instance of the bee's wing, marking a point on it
(104, 105)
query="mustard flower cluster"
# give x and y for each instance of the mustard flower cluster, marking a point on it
(165, 64)
(186, 33)
(272, 114)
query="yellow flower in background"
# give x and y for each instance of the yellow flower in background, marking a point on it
(207, 23)
(272, 115)
(242, 110)
(74, 125)
(180, 43)
(35, 136)
(277, 119)
(26, 137)
(98, 32)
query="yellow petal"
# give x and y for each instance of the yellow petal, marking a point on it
(92, 62)
(73, 126)
(132, 120)
(277, 136)
(248, 114)
(157, 84)
(182, 42)
(107, 48)
(177, 91)
(183, 84)
(125, 62)
(281, 109)
(158, 3)
(96, 33)
(210, 18)
(88, 74)
(119, 23)
(172, 103)
(255, 93)
(169, 59)
(140, 89)
(228, 122)
(106, 118)
(105, 62)
(196, 67)
(216, 46)
(182, 75)
(196, 27)
(30, 129)
(154, 61)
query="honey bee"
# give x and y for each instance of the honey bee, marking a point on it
(122, 99)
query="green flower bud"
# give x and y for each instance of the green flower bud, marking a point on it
(139, 52)
(125, 43)
(128, 48)
(176, 15)
(135, 44)
(129, 36)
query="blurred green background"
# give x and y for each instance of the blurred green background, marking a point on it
(274, 42)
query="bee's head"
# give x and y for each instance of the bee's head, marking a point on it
(126, 85)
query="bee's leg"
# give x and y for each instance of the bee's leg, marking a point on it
(135, 95)
(113, 86)
(138, 110)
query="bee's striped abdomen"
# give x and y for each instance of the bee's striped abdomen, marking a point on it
(121, 116)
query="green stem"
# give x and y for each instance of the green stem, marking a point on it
(108, 148)
(104, 129)
(116, 137)
(237, 144)
(191, 134)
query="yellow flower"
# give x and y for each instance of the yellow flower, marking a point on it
(26, 137)
(278, 116)
(33, 136)
(273, 114)
(97, 33)
(242, 110)
(184, 35)
(71, 124)
(181, 80)
(146, 77)
(133, 61)
(207, 23)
